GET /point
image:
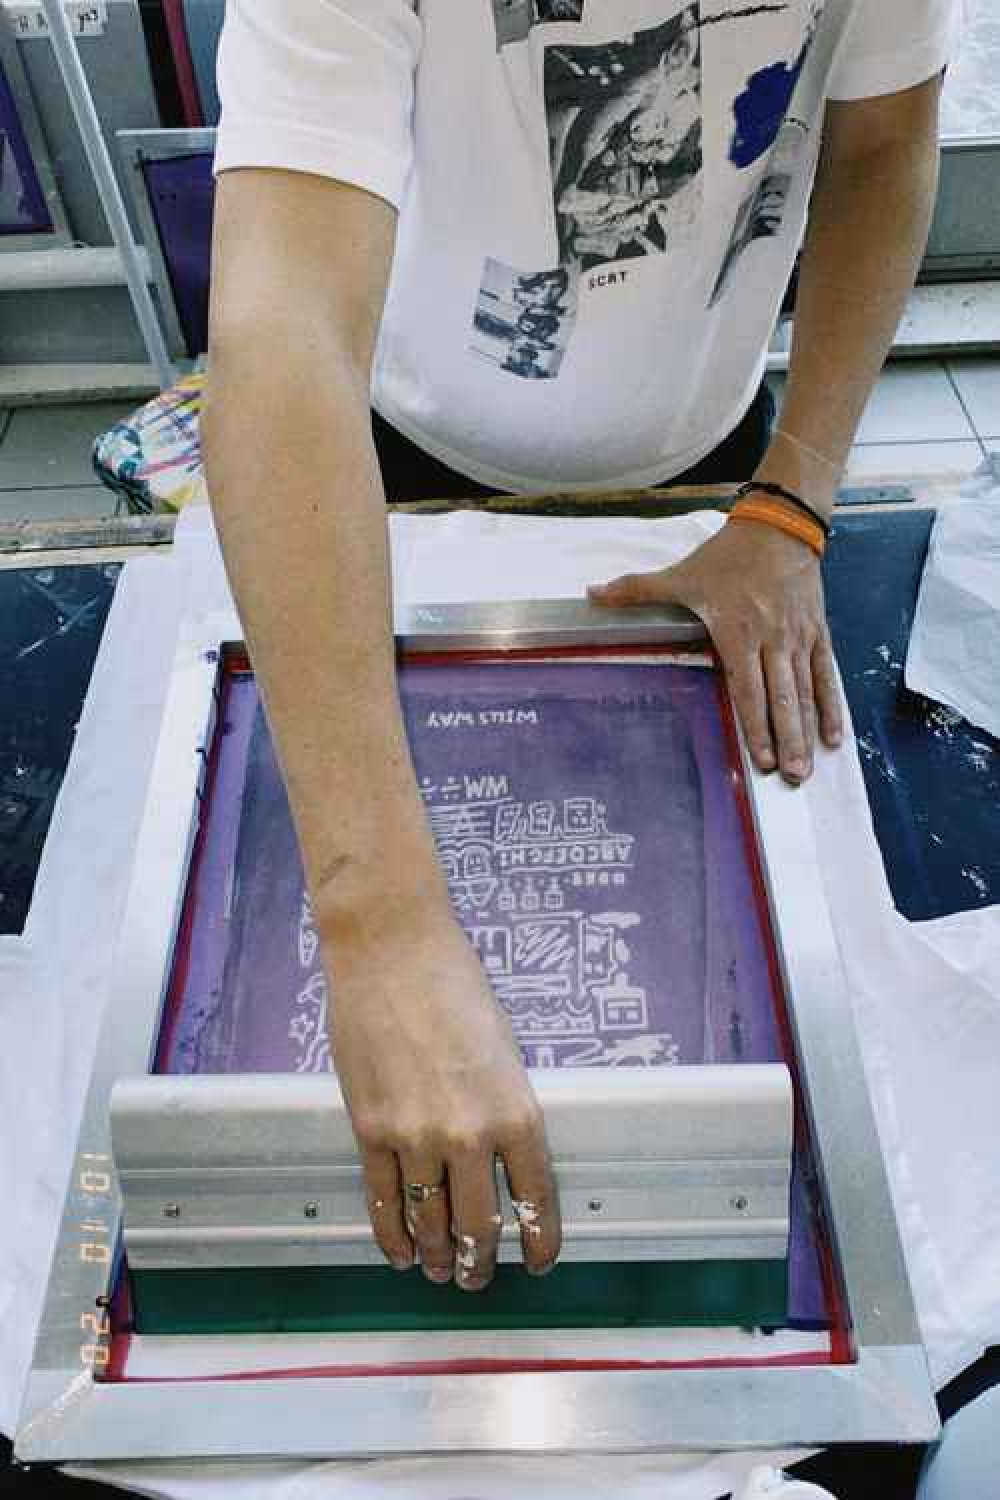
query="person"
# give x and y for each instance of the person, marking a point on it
(382, 167)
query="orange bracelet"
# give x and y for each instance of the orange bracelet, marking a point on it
(782, 518)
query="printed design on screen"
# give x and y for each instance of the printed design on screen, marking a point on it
(539, 887)
(611, 911)
(542, 889)
(760, 110)
(761, 215)
(307, 1026)
(514, 19)
(624, 122)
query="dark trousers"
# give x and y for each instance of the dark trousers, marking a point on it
(411, 474)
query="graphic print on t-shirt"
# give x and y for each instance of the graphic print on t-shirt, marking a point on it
(762, 106)
(515, 18)
(762, 211)
(524, 319)
(625, 143)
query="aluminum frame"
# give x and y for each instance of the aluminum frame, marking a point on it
(682, 1163)
(883, 1395)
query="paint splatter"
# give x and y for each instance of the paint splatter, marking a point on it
(975, 876)
(943, 722)
(981, 756)
(874, 754)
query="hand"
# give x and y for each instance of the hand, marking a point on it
(760, 595)
(437, 1091)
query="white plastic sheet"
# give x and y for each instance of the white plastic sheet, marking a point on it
(927, 1003)
(954, 653)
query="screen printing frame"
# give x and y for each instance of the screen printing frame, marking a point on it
(135, 148)
(882, 1394)
(23, 103)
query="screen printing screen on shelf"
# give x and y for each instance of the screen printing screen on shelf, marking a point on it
(590, 817)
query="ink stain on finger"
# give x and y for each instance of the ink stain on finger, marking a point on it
(467, 1257)
(526, 1214)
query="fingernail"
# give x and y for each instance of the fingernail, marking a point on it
(798, 767)
(837, 739)
(541, 1270)
(438, 1274)
(765, 756)
(469, 1283)
(401, 1263)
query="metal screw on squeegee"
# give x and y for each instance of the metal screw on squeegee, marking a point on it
(311, 1210)
(211, 656)
(740, 1203)
(595, 1205)
(171, 1210)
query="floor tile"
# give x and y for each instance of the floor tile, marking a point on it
(914, 403)
(915, 460)
(51, 445)
(57, 502)
(978, 382)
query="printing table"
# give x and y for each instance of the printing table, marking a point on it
(933, 783)
(876, 539)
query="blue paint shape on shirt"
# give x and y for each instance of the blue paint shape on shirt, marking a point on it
(761, 108)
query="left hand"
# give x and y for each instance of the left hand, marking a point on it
(760, 595)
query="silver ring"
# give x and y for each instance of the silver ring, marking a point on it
(421, 1192)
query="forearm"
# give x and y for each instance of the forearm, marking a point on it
(868, 227)
(300, 509)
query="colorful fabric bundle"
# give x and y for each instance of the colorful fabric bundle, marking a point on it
(152, 459)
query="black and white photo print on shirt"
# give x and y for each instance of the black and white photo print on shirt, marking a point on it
(515, 18)
(558, 10)
(524, 318)
(625, 141)
(762, 212)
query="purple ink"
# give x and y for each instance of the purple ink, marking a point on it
(587, 819)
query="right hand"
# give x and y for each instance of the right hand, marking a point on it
(437, 1091)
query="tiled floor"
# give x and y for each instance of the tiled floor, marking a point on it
(925, 417)
(45, 466)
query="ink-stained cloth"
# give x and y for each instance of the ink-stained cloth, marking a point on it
(926, 999)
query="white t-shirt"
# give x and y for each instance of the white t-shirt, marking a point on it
(600, 201)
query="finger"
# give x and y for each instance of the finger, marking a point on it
(385, 1208)
(802, 667)
(476, 1221)
(748, 690)
(535, 1198)
(827, 691)
(786, 716)
(430, 1221)
(635, 588)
